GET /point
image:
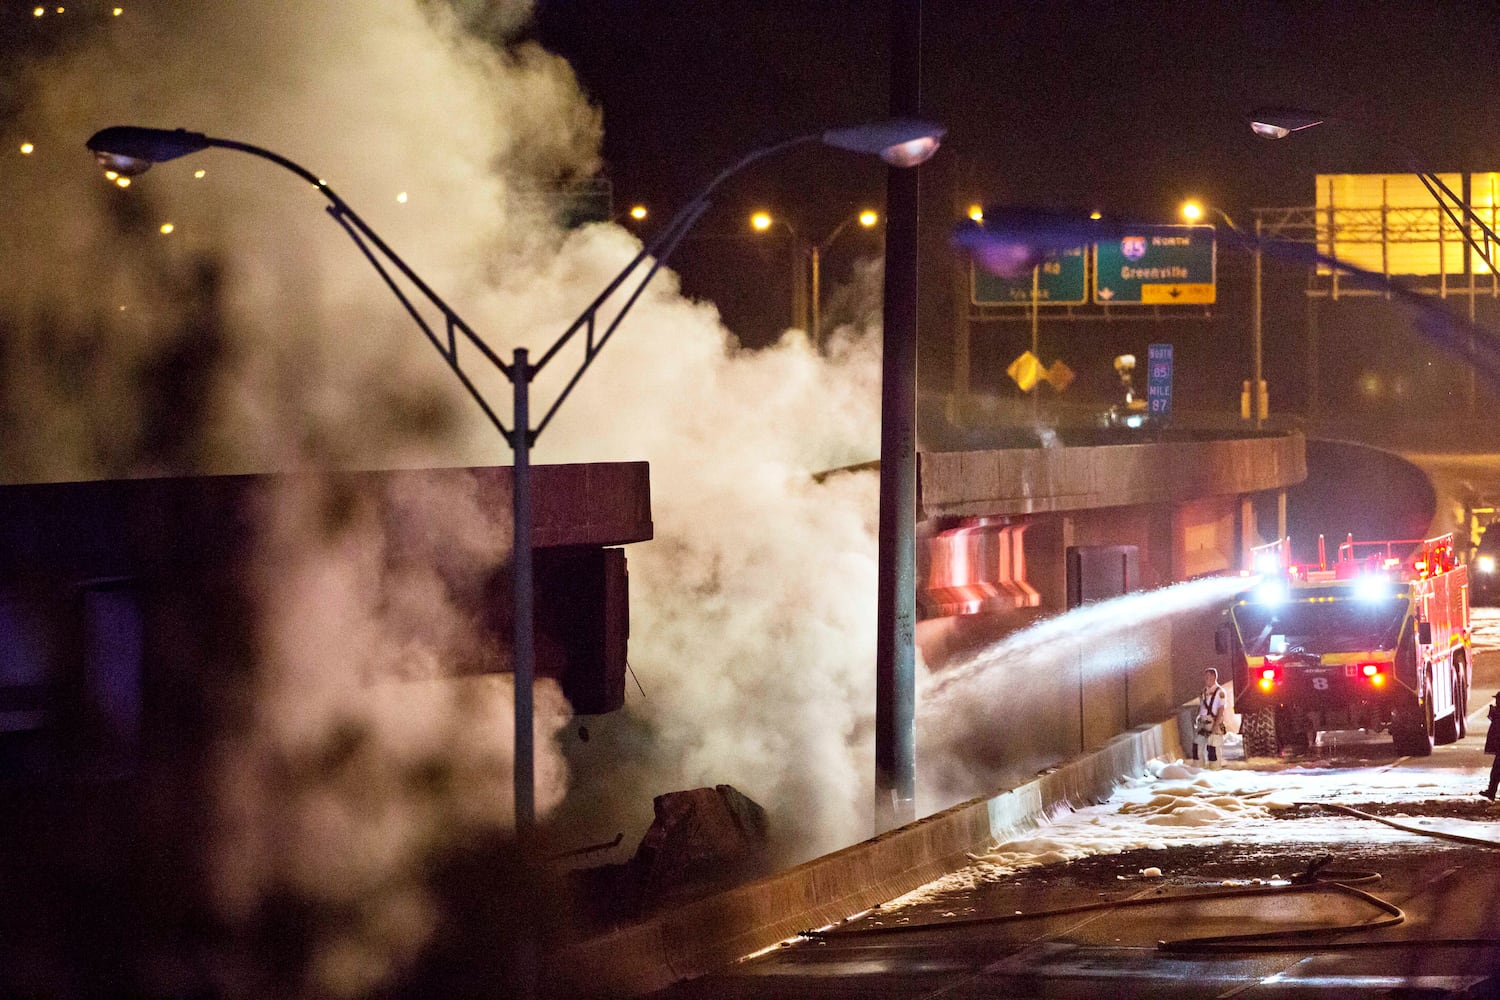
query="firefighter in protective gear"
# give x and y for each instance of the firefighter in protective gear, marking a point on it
(1209, 725)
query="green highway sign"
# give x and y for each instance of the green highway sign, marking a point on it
(1156, 266)
(1059, 282)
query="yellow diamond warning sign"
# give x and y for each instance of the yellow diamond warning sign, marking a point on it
(1028, 373)
(1025, 371)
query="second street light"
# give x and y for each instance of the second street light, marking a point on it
(868, 219)
(764, 222)
(1255, 401)
(130, 150)
(807, 258)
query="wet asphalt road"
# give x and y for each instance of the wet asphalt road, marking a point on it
(969, 941)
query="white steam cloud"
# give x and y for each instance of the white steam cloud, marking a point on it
(753, 608)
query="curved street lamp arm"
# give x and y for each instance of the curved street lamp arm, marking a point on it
(348, 218)
(837, 232)
(661, 246)
(593, 345)
(448, 351)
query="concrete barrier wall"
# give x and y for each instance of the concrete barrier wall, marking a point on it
(1028, 481)
(709, 933)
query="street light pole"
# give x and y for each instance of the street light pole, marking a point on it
(866, 218)
(1258, 394)
(895, 637)
(1255, 402)
(130, 150)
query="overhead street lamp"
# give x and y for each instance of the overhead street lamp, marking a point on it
(807, 306)
(129, 150)
(867, 219)
(1256, 399)
(1278, 123)
(763, 222)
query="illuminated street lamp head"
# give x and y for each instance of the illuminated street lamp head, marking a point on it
(761, 221)
(128, 150)
(901, 142)
(1192, 210)
(868, 218)
(976, 212)
(1278, 123)
(638, 212)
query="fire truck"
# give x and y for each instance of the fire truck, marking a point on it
(1378, 640)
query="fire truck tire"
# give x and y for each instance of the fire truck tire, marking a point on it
(1258, 730)
(1445, 730)
(1411, 729)
(1461, 694)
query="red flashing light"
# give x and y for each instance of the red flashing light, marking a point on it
(1268, 677)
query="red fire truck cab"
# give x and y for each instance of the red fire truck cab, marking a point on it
(1378, 640)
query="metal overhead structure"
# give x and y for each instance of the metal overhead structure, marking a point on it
(1384, 224)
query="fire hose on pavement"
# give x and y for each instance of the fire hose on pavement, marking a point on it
(1318, 877)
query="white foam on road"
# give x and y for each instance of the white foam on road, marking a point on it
(1178, 804)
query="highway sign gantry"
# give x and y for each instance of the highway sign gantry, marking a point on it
(1061, 281)
(1157, 266)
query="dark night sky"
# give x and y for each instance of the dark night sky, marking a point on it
(1123, 107)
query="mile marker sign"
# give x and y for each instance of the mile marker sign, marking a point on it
(1156, 266)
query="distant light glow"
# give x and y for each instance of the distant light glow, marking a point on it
(1485, 564)
(118, 11)
(1267, 563)
(761, 221)
(200, 174)
(1192, 211)
(123, 182)
(401, 198)
(1270, 593)
(38, 11)
(868, 218)
(1096, 215)
(111, 175)
(27, 149)
(1372, 588)
(976, 212)
(638, 212)
(166, 228)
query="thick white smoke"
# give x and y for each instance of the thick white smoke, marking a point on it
(752, 610)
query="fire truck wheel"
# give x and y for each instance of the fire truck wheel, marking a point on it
(1461, 695)
(1258, 730)
(1411, 729)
